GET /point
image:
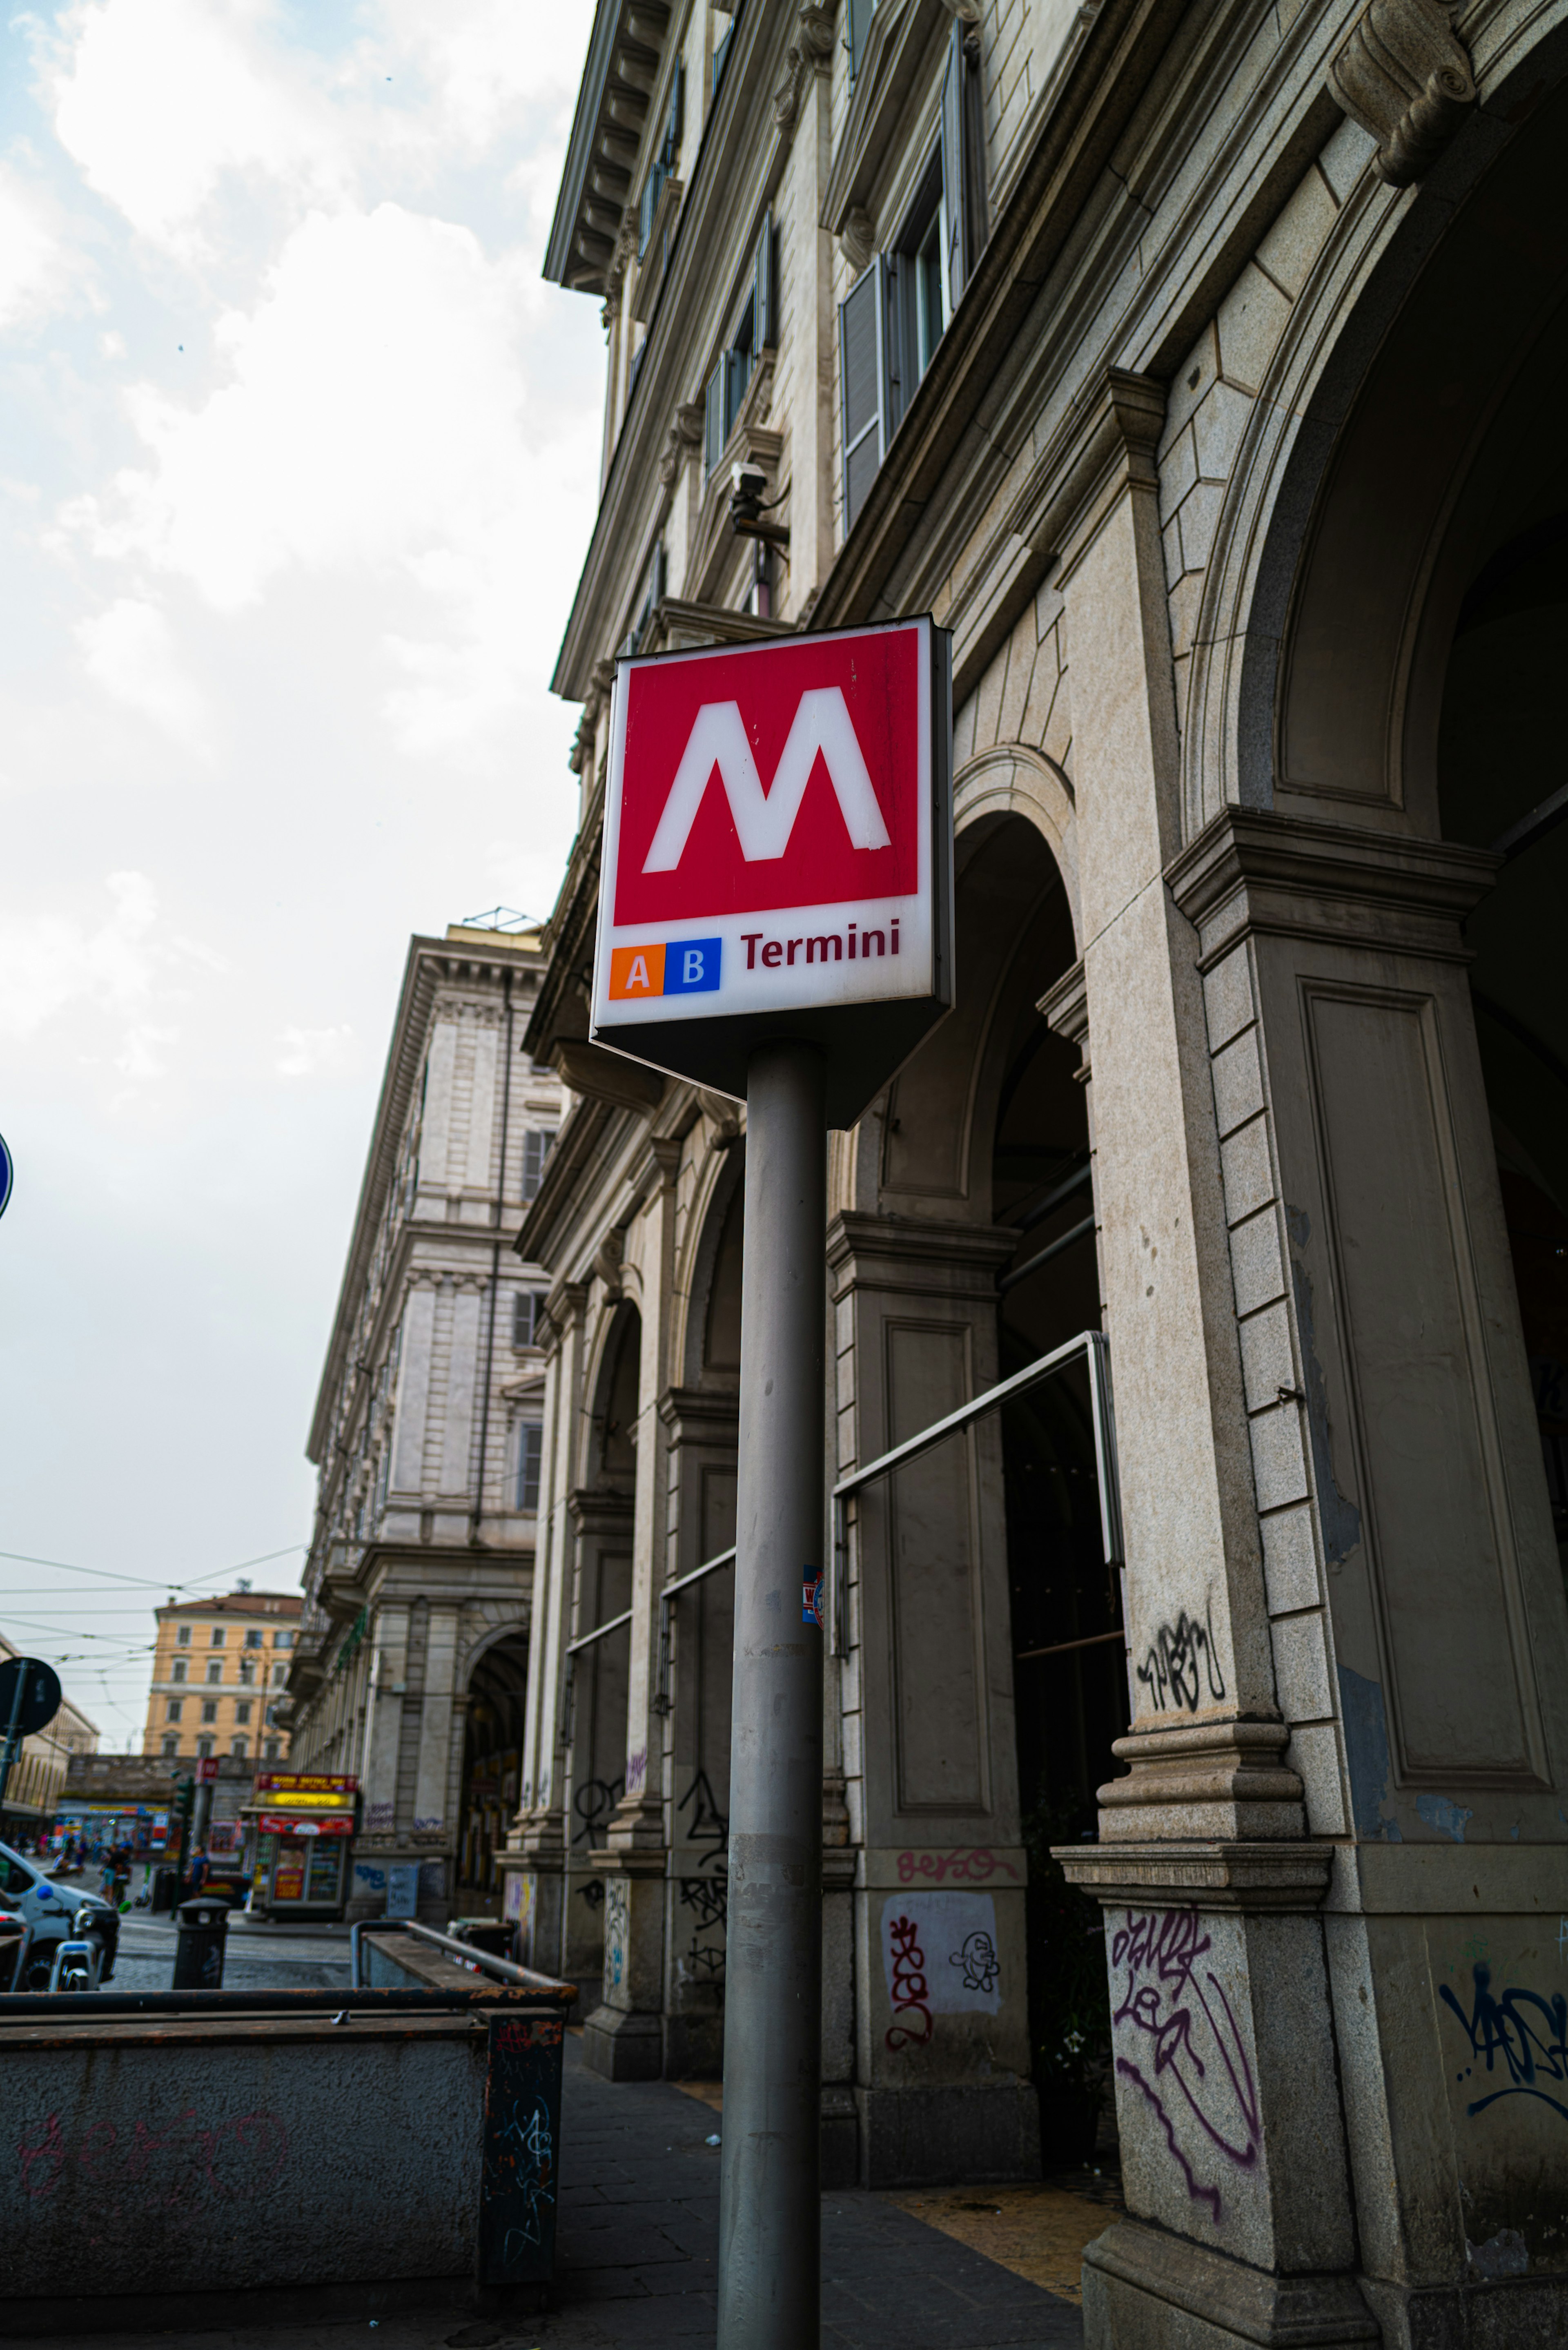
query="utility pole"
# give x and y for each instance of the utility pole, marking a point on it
(769, 2193)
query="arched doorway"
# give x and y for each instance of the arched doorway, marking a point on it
(491, 1747)
(701, 1425)
(593, 1730)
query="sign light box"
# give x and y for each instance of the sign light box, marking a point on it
(778, 856)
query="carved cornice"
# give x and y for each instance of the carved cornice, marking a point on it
(685, 438)
(1253, 869)
(1221, 1778)
(1405, 76)
(606, 1076)
(1065, 1007)
(1105, 445)
(811, 51)
(1211, 1874)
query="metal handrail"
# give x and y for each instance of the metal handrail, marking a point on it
(599, 1632)
(1096, 1348)
(547, 1986)
(663, 1700)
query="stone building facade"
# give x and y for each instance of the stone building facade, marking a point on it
(1195, 368)
(218, 1670)
(413, 1642)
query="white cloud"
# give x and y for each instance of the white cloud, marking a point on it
(130, 651)
(377, 421)
(312, 1052)
(50, 960)
(38, 272)
(159, 100)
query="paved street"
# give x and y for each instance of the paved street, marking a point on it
(637, 2253)
(258, 1958)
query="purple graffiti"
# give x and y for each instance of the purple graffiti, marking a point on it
(1533, 2048)
(1196, 2046)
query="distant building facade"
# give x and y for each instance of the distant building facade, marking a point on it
(412, 1658)
(38, 1775)
(219, 1667)
(1199, 368)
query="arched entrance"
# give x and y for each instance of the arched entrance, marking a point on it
(491, 1747)
(593, 1730)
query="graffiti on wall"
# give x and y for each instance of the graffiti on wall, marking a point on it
(1180, 1667)
(968, 1868)
(939, 1958)
(617, 1903)
(1518, 2034)
(1178, 2046)
(234, 2160)
(593, 1803)
(704, 1897)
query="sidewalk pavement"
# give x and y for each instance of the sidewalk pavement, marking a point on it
(637, 2253)
(259, 1956)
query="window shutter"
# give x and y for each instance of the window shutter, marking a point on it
(863, 368)
(713, 420)
(963, 160)
(859, 26)
(765, 328)
(676, 122)
(955, 259)
(530, 1453)
(535, 1152)
(524, 1317)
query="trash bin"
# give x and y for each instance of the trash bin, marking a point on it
(204, 1927)
(165, 1886)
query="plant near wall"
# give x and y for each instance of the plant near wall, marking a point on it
(1070, 2007)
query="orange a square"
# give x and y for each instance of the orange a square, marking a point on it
(636, 973)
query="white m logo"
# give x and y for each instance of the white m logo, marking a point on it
(764, 820)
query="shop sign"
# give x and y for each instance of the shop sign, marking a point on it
(306, 1788)
(778, 856)
(288, 1873)
(286, 1823)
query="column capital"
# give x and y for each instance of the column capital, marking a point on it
(1105, 446)
(1217, 1778)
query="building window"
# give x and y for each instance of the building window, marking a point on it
(209, 1709)
(241, 1746)
(283, 1639)
(204, 1746)
(663, 166)
(530, 1453)
(860, 16)
(274, 1748)
(254, 1639)
(895, 315)
(171, 1743)
(722, 48)
(175, 1709)
(177, 1672)
(247, 1673)
(183, 1636)
(525, 1304)
(219, 1636)
(243, 1710)
(753, 333)
(537, 1144)
(214, 1670)
(279, 1675)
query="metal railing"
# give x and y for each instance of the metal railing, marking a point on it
(544, 1986)
(1093, 1345)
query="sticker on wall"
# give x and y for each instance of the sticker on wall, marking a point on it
(940, 1955)
(810, 1596)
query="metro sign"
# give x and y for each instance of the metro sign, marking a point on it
(778, 856)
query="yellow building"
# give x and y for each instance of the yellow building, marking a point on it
(216, 1668)
(39, 1778)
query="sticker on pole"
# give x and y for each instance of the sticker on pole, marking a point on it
(811, 1597)
(778, 856)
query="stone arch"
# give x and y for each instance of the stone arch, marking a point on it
(1267, 657)
(720, 1188)
(1015, 779)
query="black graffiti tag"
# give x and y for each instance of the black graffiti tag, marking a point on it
(1179, 1662)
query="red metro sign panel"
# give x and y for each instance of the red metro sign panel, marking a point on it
(778, 843)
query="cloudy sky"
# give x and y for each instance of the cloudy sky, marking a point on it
(297, 460)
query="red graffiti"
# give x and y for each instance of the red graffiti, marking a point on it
(976, 1867)
(528, 2035)
(236, 2159)
(49, 2149)
(909, 1993)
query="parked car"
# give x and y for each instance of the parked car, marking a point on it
(52, 1911)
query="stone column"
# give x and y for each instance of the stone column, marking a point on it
(536, 1860)
(942, 2082)
(624, 2039)
(376, 1845)
(1233, 2147)
(434, 1833)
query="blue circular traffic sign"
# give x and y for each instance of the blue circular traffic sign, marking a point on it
(8, 1169)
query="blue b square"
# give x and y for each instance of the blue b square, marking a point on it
(692, 965)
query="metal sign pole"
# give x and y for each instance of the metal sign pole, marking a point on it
(769, 2207)
(8, 1752)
